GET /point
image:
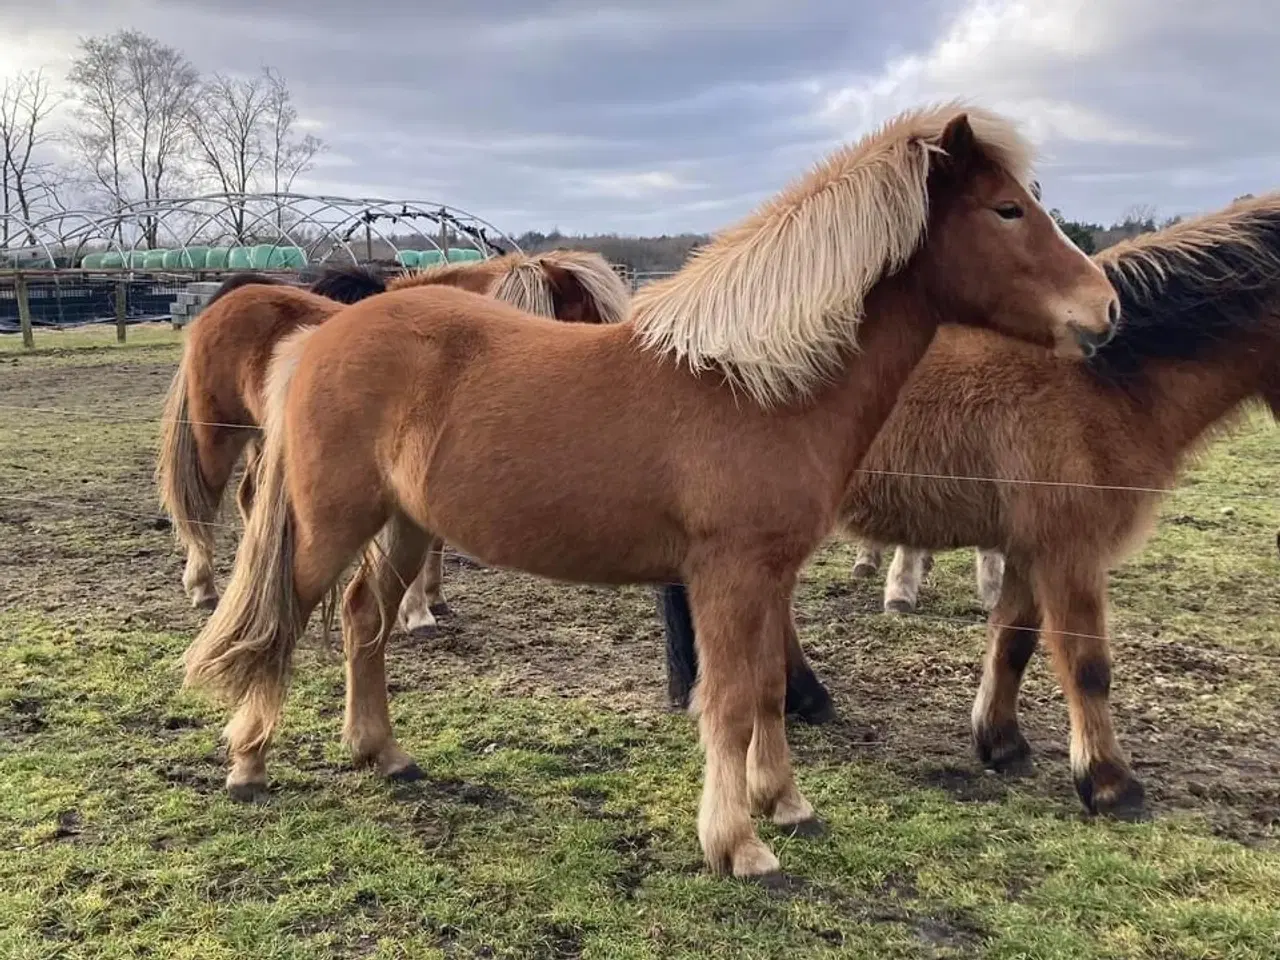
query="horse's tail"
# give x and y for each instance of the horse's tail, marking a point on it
(184, 493)
(570, 284)
(245, 650)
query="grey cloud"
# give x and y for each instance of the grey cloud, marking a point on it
(675, 114)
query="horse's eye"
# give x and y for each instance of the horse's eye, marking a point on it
(1009, 211)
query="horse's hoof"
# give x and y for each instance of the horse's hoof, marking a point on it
(205, 603)
(1124, 799)
(440, 609)
(410, 774)
(247, 792)
(811, 828)
(1006, 751)
(899, 606)
(815, 712)
(775, 881)
(863, 571)
(428, 631)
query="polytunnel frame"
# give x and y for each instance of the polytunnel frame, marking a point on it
(309, 209)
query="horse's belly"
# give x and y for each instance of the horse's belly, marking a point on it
(565, 506)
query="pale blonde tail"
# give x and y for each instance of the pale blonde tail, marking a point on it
(245, 651)
(532, 284)
(185, 495)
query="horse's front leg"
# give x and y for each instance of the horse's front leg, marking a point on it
(867, 560)
(1012, 634)
(1074, 629)
(738, 613)
(906, 574)
(990, 574)
(807, 698)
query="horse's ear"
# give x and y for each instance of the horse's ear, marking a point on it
(958, 141)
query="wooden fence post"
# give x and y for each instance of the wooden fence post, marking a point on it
(121, 308)
(24, 311)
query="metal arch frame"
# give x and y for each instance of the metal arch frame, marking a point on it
(51, 230)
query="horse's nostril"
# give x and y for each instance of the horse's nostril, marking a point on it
(1088, 340)
(1113, 314)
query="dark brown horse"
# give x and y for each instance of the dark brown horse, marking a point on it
(1200, 338)
(214, 404)
(710, 437)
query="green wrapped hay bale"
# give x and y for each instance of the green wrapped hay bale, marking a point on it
(464, 255)
(239, 259)
(217, 258)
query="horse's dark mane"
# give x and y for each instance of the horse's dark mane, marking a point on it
(1189, 287)
(236, 281)
(347, 284)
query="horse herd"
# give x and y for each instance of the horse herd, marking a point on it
(901, 345)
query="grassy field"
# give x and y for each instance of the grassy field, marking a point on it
(557, 817)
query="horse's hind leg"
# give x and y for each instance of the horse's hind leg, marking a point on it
(1012, 632)
(424, 600)
(867, 561)
(990, 573)
(249, 479)
(368, 615)
(737, 616)
(1074, 628)
(906, 573)
(218, 448)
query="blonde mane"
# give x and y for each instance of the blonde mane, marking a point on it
(450, 273)
(774, 300)
(523, 281)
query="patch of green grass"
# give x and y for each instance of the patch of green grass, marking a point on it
(94, 337)
(545, 828)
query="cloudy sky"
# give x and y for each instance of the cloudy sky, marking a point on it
(658, 116)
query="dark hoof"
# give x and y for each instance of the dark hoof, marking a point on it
(440, 609)
(863, 571)
(208, 603)
(427, 631)
(815, 713)
(898, 606)
(410, 774)
(1007, 752)
(1124, 798)
(248, 792)
(811, 829)
(808, 700)
(775, 882)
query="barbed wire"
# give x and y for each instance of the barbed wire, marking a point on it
(111, 418)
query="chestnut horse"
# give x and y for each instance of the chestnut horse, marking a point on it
(214, 403)
(710, 436)
(1200, 338)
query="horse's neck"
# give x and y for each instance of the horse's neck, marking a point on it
(898, 326)
(1182, 400)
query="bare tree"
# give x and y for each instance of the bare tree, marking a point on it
(26, 102)
(287, 156)
(229, 123)
(135, 96)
